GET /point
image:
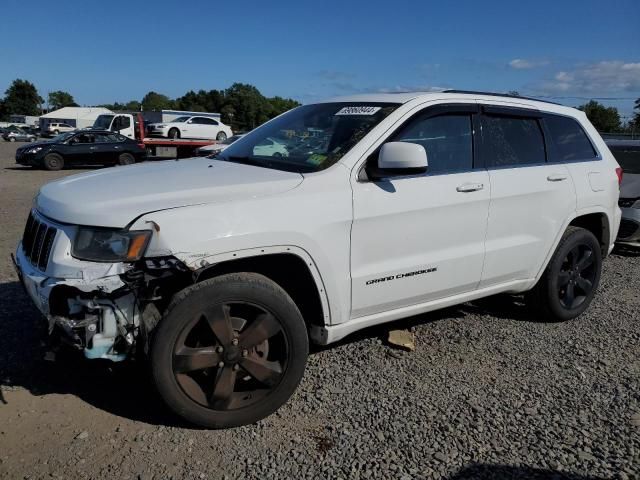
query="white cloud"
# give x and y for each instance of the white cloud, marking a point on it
(601, 77)
(523, 64)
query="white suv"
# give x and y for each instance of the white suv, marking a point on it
(57, 128)
(385, 206)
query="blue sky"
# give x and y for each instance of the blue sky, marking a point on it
(119, 50)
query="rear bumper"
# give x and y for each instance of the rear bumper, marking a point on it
(629, 231)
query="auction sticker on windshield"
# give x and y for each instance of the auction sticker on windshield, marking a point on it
(362, 110)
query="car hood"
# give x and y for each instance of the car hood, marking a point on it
(630, 186)
(114, 197)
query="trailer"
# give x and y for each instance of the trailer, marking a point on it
(133, 126)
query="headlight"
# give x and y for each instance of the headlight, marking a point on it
(106, 245)
(34, 150)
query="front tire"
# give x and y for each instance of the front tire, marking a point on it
(571, 279)
(229, 351)
(221, 136)
(53, 161)
(12, 139)
(174, 133)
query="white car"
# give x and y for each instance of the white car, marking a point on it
(224, 270)
(271, 147)
(191, 127)
(216, 148)
(57, 128)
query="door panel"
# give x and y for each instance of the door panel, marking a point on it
(529, 206)
(416, 239)
(530, 198)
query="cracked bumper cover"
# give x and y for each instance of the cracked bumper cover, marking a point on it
(87, 301)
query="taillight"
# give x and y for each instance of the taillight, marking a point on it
(142, 145)
(619, 173)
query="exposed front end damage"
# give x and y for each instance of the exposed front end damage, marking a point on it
(104, 309)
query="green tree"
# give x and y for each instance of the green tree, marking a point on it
(156, 101)
(59, 99)
(635, 122)
(605, 119)
(22, 98)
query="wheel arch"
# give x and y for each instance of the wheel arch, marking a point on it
(595, 220)
(290, 267)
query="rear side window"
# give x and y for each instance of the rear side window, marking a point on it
(512, 141)
(447, 140)
(569, 140)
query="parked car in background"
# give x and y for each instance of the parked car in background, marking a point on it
(627, 153)
(19, 135)
(216, 148)
(191, 127)
(85, 147)
(271, 147)
(58, 128)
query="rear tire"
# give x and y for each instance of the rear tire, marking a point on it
(56, 132)
(571, 279)
(53, 161)
(12, 139)
(174, 133)
(221, 136)
(126, 159)
(32, 139)
(229, 351)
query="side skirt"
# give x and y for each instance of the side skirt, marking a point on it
(330, 334)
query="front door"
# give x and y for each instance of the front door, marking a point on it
(421, 237)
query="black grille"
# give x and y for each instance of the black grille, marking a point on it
(627, 229)
(626, 202)
(37, 241)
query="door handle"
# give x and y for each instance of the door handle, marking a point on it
(556, 177)
(470, 187)
(92, 148)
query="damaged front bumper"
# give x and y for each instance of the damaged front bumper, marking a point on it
(88, 303)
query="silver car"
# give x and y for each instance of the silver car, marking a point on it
(627, 153)
(19, 136)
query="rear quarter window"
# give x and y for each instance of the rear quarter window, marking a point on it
(570, 142)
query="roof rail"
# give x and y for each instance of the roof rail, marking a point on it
(494, 94)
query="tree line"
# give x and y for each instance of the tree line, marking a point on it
(242, 106)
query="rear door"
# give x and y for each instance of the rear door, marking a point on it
(107, 148)
(530, 197)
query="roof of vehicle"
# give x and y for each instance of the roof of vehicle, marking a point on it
(404, 97)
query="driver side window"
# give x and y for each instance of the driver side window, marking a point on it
(447, 138)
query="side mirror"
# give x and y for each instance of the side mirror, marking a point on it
(399, 158)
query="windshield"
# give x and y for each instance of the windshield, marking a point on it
(63, 137)
(103, 122)
(180, 120)
(309, 138)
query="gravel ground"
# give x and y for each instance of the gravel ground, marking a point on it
(488, 393)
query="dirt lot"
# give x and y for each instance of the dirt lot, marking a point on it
(488, 393)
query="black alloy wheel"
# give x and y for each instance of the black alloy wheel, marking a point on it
(231, 355)
(570, 280)
(576, 276)
(229, 351)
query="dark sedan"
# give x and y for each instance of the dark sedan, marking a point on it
(86, 147)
